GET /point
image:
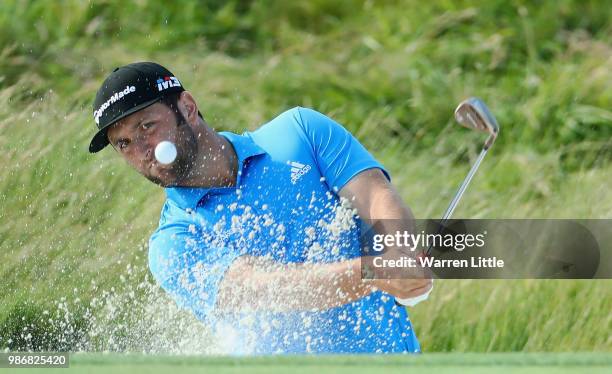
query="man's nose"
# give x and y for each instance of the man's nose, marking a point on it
(146, 150)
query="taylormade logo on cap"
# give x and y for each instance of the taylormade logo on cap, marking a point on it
(115, 97)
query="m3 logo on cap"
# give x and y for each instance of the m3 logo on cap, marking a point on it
(167, 82)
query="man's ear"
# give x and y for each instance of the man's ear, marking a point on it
(188, 107)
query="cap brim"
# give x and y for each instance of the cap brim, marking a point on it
(100, 140)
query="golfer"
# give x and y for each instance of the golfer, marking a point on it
(259, 234)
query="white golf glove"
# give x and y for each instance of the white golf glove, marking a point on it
(412, 301)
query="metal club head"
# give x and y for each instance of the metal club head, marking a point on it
(474, 114)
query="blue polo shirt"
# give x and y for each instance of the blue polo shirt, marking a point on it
(285, 207)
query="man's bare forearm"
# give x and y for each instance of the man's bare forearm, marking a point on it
(378, 203)
(256, 284)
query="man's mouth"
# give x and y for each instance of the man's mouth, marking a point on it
(158, 169)
(156, 164)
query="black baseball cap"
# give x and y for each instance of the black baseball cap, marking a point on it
(127, 90)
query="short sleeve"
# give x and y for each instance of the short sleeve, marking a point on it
(186, 268)
(338, 153)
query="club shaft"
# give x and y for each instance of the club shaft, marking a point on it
(464, 186)
(459, 193)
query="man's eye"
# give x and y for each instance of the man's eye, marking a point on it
(122, 144)
(147, 125)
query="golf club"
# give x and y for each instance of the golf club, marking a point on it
(473, 114)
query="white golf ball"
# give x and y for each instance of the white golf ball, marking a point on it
(165, 152)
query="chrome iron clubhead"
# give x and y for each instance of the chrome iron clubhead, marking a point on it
(474, 114)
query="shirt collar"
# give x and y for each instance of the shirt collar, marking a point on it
(189, 197)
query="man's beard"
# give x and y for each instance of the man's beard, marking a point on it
(187, 147)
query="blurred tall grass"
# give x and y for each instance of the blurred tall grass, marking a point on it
(390, 71)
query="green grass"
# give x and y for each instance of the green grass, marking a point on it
(75, 225)
(431, 363)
